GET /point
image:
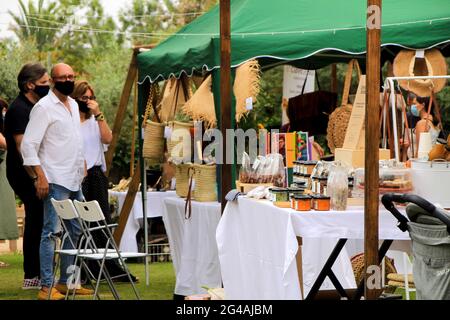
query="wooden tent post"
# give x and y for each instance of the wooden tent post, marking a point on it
(372, 145)
(121, 111)
(133, 188)
(133, 139)
(120, 116)
(225, 94)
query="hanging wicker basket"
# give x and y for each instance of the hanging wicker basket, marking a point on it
(153, 149)
(183, 132)
(183, 172)
(205, 189)
(337, 126)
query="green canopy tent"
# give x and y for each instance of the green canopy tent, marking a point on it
(309, 34)
(303, 33)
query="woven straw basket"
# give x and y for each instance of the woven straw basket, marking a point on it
(337, 126)
(358, 267)
(184, 130)
(153, 149)
(205, 183)
(182, 175)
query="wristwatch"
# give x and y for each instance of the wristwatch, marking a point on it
(100, 117)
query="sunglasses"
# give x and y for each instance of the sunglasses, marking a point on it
(86, 98)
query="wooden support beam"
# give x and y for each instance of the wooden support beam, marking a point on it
(133, 188)
(121, 111)
(133, 137)
(225, 93)
(372, 144)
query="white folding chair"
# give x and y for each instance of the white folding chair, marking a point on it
(66, 211)
(90, 212)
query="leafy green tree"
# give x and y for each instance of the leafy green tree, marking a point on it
(12, 57)
(141, 18)
(32, 23)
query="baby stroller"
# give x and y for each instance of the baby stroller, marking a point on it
(429, 229)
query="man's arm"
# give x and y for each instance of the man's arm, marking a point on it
(2, 142)
(29, 147)
(18, 140)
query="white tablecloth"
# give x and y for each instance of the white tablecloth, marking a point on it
(193, 245)
(257, 247)
(154, 209)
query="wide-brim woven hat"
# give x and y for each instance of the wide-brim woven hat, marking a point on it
(433, 64)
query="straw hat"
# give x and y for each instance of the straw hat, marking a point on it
(407, 65)
(173, 99)
(200, 107)
(246, 85)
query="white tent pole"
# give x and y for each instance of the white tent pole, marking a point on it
(394, 118)
(144, 208)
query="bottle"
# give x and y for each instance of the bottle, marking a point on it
(337, 187)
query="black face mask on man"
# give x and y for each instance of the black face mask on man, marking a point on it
(65, 87)
(41, 91)
(82, 106)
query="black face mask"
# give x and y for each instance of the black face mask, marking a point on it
(82, 106)
(41, 91)
(66, 87)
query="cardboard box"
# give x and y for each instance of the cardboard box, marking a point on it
(355, 158)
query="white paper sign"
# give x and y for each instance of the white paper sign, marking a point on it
(420, 54)
(249, 103)
(167, 132)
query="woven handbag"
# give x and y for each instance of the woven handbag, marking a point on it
(153, 146)
(357, 262)
(205, 183)
(180, 132)
(338, 120)
(183, 172)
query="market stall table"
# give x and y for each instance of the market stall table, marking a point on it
(128, 242)
(257, 245)
(193, 245)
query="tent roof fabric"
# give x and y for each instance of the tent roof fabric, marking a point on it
(286, 30)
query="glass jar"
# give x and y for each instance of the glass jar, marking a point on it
(315, 185)
(279, 194)
(350, 186)
(309, 166)
(337, 187)
(323, 185)
(322, 203)
(302, 203)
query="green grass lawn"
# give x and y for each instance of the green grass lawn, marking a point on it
(162, 282)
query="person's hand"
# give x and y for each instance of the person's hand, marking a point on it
(404, 143)
(94, 107)
(41, 185)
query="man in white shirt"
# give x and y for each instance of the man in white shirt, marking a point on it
(52, 146)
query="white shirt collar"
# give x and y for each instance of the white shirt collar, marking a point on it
(55, 98)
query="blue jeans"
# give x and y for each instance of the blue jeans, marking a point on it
(51, 228)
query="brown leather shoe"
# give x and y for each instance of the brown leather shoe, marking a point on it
(54, 295)
(80, 291)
